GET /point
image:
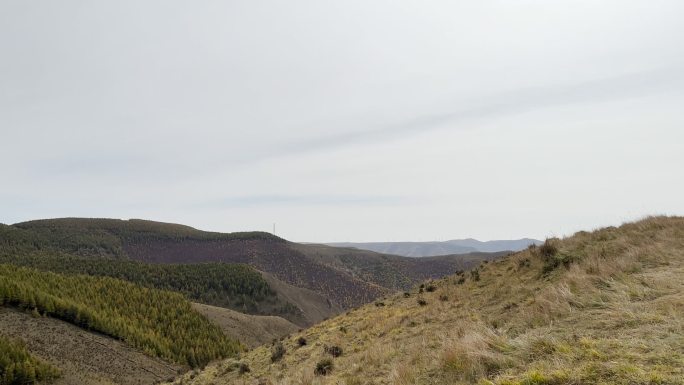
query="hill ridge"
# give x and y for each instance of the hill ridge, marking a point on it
(601, 307)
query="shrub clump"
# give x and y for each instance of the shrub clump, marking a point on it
(443, 298)
(301, 341)
(475, 275)
(334, 350)
(548, 249)
(407, 294)
(552, 257)
(277, 352)
(422, 302)
(324, 367)
(243, 368)
(430, 288)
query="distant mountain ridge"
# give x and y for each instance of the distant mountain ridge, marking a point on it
(435, 248)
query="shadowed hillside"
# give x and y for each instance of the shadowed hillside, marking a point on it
(602, 307)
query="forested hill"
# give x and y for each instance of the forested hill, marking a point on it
(160, 323)
(348, 277)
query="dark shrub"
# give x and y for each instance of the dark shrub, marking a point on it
(461, 281)
(301, 341)
(407, 294)
(553, 262)
(277, 352)
(334, 350)
(343, 329)
(475, 275)
(379, 304)
(430, 288)
(243, 368)
(324, 367)
(422, 302)
(548, 249)
(524, 263)
(443, 298)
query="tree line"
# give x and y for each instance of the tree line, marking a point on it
(160, 323)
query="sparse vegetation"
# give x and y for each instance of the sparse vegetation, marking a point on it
(301, 341)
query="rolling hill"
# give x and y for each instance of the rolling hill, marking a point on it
(430, 249)
(602, 307)
(348, 277)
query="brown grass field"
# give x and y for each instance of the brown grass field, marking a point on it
(602, 307)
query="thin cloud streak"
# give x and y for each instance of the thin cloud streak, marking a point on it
(506, 104)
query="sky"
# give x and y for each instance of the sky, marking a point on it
(388, 120)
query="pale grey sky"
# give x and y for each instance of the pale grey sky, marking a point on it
(344, 120)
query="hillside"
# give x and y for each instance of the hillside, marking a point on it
(159, 323)
(234, 286)
(348, 277)
(252, 330)
(18, 366)
(602, 307)
(430, 249)
(83, 357)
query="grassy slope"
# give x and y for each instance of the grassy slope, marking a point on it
(606, 308)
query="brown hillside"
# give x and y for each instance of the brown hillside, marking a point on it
(605, 307)
(252, 330)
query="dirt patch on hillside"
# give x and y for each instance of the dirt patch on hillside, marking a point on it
(313, 306)
(251, 330)
(85, 358)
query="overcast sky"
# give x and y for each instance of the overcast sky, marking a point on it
(344, 120)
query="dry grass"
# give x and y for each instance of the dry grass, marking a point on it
(609, 311)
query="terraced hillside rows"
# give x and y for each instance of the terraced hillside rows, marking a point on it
(605, 307)
(348, 277)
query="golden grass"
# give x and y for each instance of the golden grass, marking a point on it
(610, 312)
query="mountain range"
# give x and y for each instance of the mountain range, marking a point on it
(435, 248)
